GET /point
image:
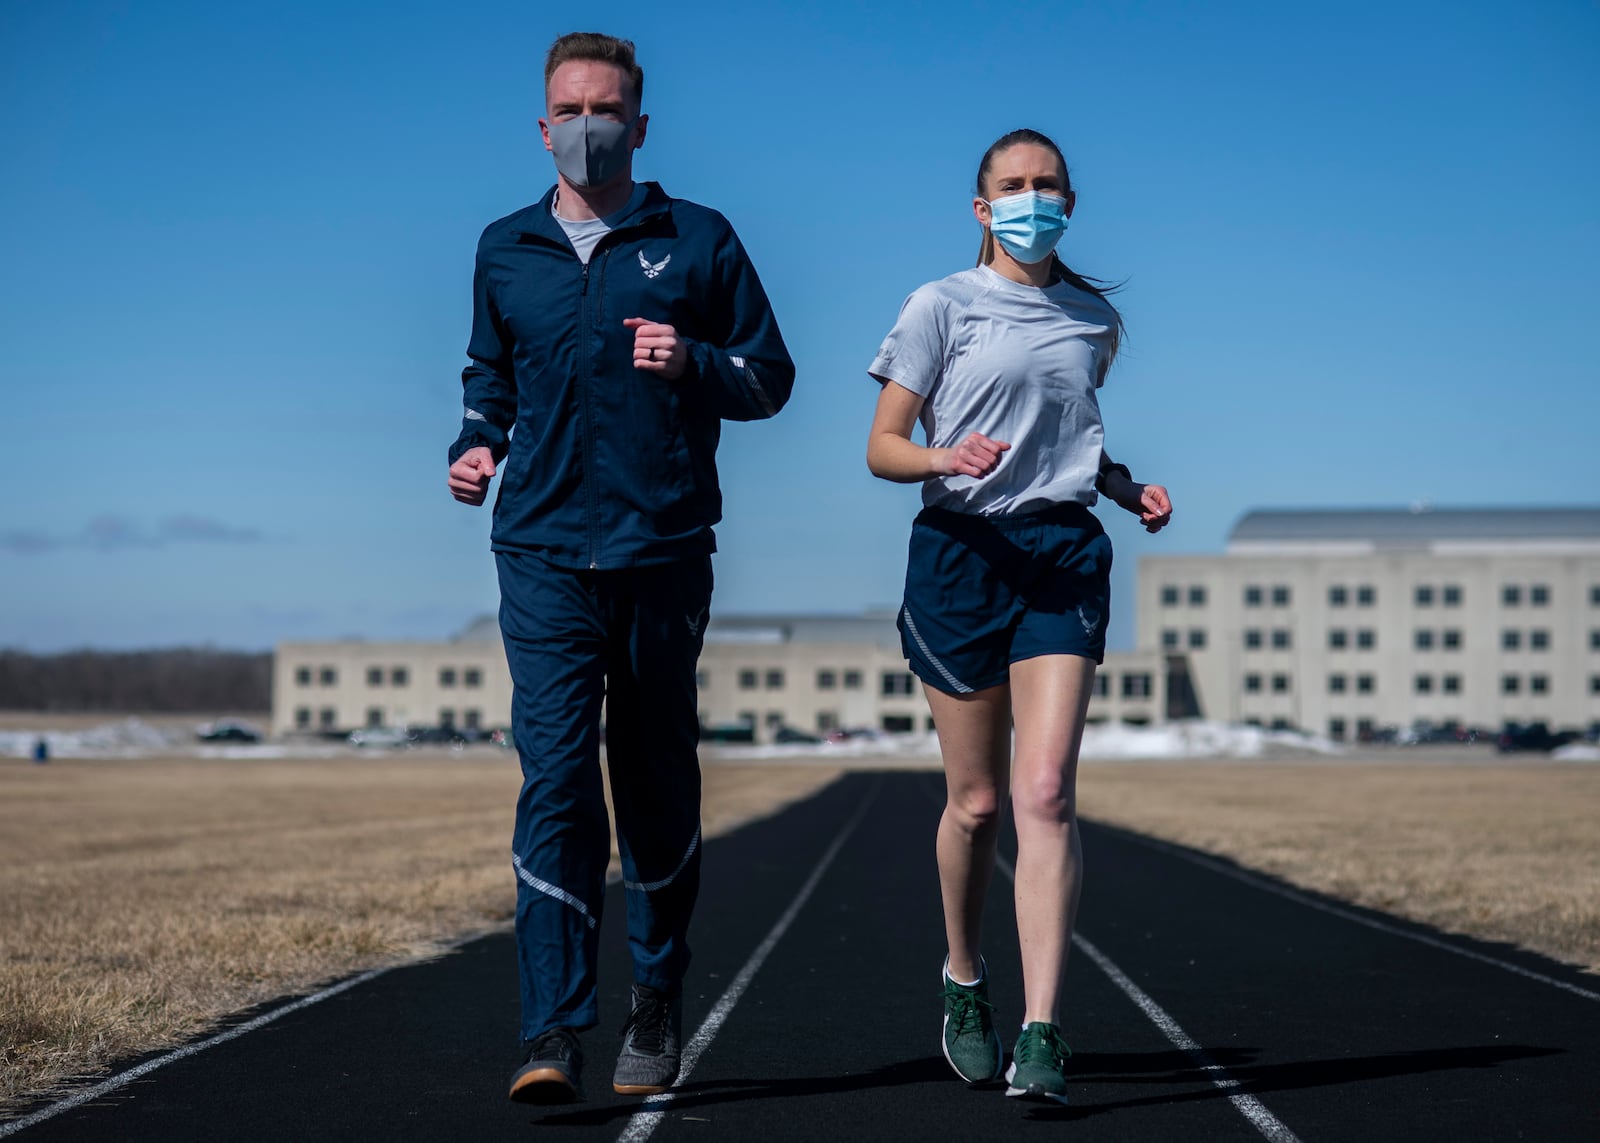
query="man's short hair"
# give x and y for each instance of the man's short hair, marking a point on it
(600, 48)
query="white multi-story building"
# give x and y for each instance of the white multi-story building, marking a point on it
(811, 673)
(1341, 621)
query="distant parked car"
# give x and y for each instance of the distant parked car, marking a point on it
(728, 732)
(385, 737)
(437, 736)
(1516, 736)
(792, 735)
(228, 732)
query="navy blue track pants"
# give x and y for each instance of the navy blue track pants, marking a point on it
(629, 638)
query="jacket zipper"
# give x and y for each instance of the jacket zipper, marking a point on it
(588, 417)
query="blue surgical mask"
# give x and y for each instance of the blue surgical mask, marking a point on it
(1029, 224)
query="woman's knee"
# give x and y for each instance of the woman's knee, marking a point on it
(975, 809)
(1046, 795)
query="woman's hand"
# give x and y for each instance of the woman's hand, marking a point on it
(1149, 502)
(976, 455)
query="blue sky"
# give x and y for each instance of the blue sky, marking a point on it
(1359, 243)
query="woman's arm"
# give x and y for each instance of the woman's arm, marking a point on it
(893, 455)
(1149, 502)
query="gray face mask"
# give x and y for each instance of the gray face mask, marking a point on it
(590, 150)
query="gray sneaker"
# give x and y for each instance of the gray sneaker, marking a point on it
(970, 1042)
(550, 1072)
(651, 1039)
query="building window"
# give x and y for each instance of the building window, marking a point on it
(827, 680)
(852, 680)
(1539, 684)
(1169, 595)
(1510, 684)
(1366, 639)
(1338, 596)
(897, 683)
(1281, 724)
(1594, 640)
(1169, 638)
(1252, 683)
(1364, 728)
(748, 680)
(1336, 729)
(1280, 638)
(374, 717)
(1336, 684)
(473, 677)
(447, 676)
(1280, 596)
(1538, 639)
(1539, 595)
(327, 718)
(302, 717)
(1280, 684)
(774, 719)
(1452, 639)
(1252, 638)
(1423, 684)
(1422, 639)
(302, 676)
(1452, 684)
(447, 719)
(898, 723)
(1252, 596)
(774, 680)
(1197, 639)
(374, 676)
(1424, 595)
(1366, 595)
(1197, 596)
(1510, 595)
(1511, 639)
(1136, 685)
(701, 679)
(328, 677)
(1594, 684)
(1365, 684)
(472, 719)
(1102, 685)
(1338, 639)
(1594, 595)
(827, 721)
(747, 717)
(399, 677)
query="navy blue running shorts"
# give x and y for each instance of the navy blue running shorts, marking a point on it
(983, 592)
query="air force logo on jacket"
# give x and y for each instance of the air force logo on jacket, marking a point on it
(653, 269)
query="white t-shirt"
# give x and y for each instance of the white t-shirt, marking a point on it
(1016, 363)
(586, 234)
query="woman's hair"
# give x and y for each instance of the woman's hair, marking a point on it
(1059, 270)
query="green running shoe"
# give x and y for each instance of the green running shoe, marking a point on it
(1039, 1064)
(970, 1042)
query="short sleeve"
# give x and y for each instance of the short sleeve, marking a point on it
(912, 355)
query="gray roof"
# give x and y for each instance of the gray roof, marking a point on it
(484, 629)
(1387, 527)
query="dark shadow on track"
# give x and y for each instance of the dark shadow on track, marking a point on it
(1175, 1067)
(1166, 1068)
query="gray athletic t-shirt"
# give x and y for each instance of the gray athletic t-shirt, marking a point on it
(1017, 364)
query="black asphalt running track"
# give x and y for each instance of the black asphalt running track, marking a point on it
(1340, 1030)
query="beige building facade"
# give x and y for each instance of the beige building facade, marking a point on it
(1345, 622)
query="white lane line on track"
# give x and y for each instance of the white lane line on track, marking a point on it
(1259, 882)
(105, 1087)
(645, 1121)
(1247, 1105)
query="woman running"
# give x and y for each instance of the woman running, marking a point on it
(1008, 583)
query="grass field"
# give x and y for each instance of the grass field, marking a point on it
(144, 899)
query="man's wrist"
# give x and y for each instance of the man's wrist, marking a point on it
(1106, 473)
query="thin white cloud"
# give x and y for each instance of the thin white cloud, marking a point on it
(110, 533)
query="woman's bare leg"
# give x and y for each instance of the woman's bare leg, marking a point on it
(975, 741)
(1050, 699)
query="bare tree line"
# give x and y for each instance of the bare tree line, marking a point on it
(176, 680)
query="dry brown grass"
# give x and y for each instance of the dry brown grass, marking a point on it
(142, 900)
(1502, 851)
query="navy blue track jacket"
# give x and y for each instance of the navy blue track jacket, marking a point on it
(611, 466)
